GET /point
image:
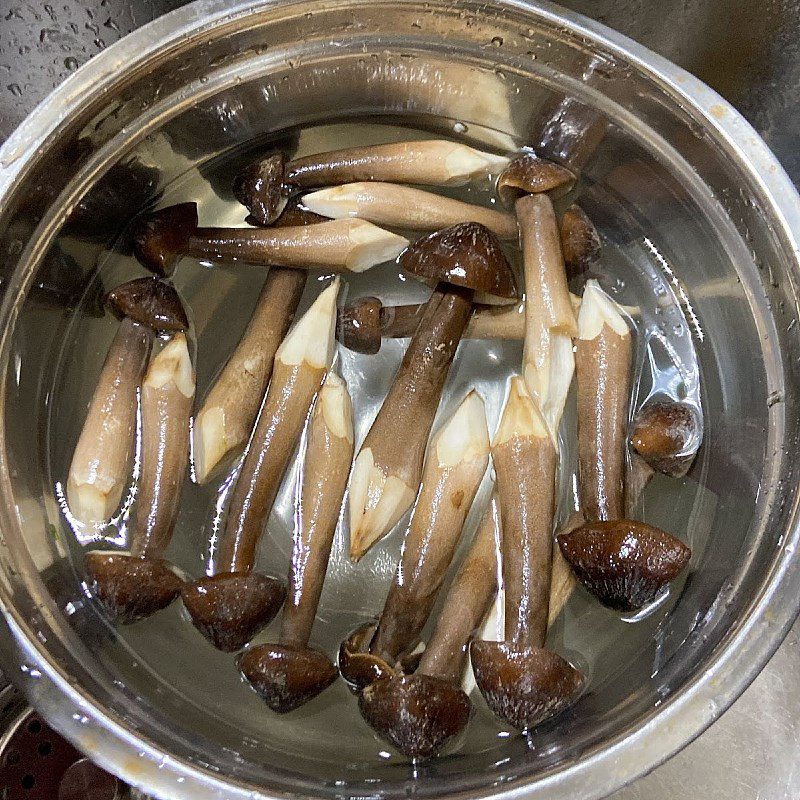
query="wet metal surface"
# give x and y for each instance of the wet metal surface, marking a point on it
(747, 51)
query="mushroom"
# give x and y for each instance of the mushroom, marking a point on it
(288, 674)
(433, 162)
(100, 464)
(529, 174)
(259, 186)
(562, 578)
(224, 422)
(404, 207)
(623, 562)
(366, 321)
(135, 585)
(337, 245)
(387, 470)
(523, 683)
(234, 603)
(548, 362)
(454, 459)
(580, 242)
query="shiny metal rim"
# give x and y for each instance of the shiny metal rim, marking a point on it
(680, 719)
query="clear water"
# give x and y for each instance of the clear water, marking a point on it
(178, 659)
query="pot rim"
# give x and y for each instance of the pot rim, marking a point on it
(681, 718)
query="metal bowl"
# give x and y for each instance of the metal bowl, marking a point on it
(680, 175)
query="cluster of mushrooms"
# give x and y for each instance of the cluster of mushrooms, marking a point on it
(280, 378)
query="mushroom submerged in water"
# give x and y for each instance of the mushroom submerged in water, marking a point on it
(432, 162)
(522, 682)
(623, 562)
(288, 674)
(529, 174)
(100, 464)
(161, 239)
(388, 468)
(419, 714)
(404, 207)
(234, 603)
(135, 585)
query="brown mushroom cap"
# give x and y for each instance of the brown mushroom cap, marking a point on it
(359, 326)
(524, 685)
(259, 187)
(287, 677)
(229, 609)
(529, 174)
(356, 664)
(151, 302)
(159, 239)
(131, 588)
(467, 254)
(666, 435)
(418, 714)
(624, 563)
(580, 242)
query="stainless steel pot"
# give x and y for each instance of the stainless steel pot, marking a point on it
(679, 173)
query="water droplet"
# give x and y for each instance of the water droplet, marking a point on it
(460, 127)
(71, 63)
(15, 89)
(109, 23)
(497, 41)
(678, 329)
(24, 50)
(99, 43)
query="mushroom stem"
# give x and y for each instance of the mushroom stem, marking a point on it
(433, 162)
(603, 359)
(136, 585)
(301, 362)
(548, 363)
(465, 258)
(456, 463)
(167, 395)
(329, 454)
(404, 207)
(336, 245)
(467, 602)
(99, 469)
(226, 418)
(388, 468)
(638, 474)
(523, 683)
(289, 674)
(233, 604)
(525, 462)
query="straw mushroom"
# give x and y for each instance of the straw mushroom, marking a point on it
(259, 186)
(523, 683)
(529, 174)
(135, 585)
(405, 207)
(163, 238)
(366, 321)
(388, 468)
(433, 162)
(234, 603)
(100, 464)
(580, 242)
(288, 674)
(625, 563)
